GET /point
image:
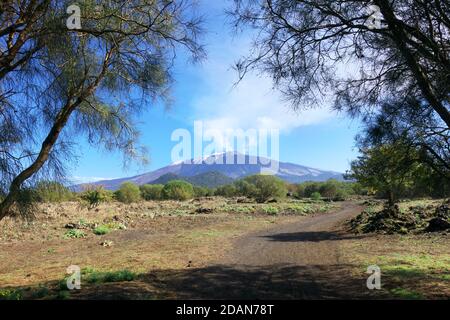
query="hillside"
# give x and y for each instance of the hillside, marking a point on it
(208, 179)
(231, 165)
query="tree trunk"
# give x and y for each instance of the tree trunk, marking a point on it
(47, 145)
(391, 198)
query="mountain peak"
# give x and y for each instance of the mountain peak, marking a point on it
(289, 172)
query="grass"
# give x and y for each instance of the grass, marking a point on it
(108, 227)
(406, 294)
(412, 266)
(93, 276)
(74, 234)
(101, 230)
(10, 294)
(271, 210)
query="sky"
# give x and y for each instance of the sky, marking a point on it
(318, 138)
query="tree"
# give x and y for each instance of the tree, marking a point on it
(128, 193)
(264, 187)
(178, 190)
(58, 83)
(151, 191)
(390, 169)
(329, 189)
(308, 46)
(228, 191)
(52, 191)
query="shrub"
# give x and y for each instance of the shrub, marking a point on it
(201, 191)
(246, 189)
(329, 189)
(93, 276)
(10, 294)
(316, 196)
(96, 195)
(128, 193)
(178, 190)
(228, 191)
(299, 191)
(341, 195)
(101, 230)
(270, 210)
(74, 234)
(151, 191)
(263, 187)
(51, 191)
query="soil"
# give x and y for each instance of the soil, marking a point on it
(221, 256)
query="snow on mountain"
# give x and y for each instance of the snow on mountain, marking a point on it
(231, 164)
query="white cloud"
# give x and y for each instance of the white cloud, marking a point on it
(253, 103)
(79, 180)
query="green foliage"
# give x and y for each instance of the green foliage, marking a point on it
(406, 294)
(74, 234)
(128, 193)
(270, 210)
(331, 189)
(93, 276)
(393, 171)
(262, 187)
(178, 190)
(228, 191)
(202, 191)
(316, 195)
(52, 191)
(108, 227)
(101, 230)
(126, 50)
(151, 191)
(94, 196)
(10, 294)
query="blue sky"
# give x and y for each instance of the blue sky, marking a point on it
(318, 138)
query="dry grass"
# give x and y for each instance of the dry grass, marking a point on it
(152, 236)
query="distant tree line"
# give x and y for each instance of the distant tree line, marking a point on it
(260, 188)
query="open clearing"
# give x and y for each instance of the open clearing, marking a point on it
(215, 248)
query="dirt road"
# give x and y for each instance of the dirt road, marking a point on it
(300, 260)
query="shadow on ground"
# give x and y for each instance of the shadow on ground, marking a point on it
(237, 282)
(313, 236)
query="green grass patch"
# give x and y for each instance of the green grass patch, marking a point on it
(406, 294)
(271, 210)
(101, 230)
(93, 276)
(10, 294)
(74, 234)
(108, 227)
(419, 266)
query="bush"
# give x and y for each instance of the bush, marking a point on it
(227, 191)
(316, 196)
(263, 187)
(51, 191)
(201, 191)
(151, 191)
(270, 210)
(341, 195)
(329, 189)
(74, 234)
(128, 193)
(96, 195)
(178, 190)
(101, 230)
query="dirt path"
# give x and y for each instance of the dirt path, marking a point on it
(310, 241)
(299, 260)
